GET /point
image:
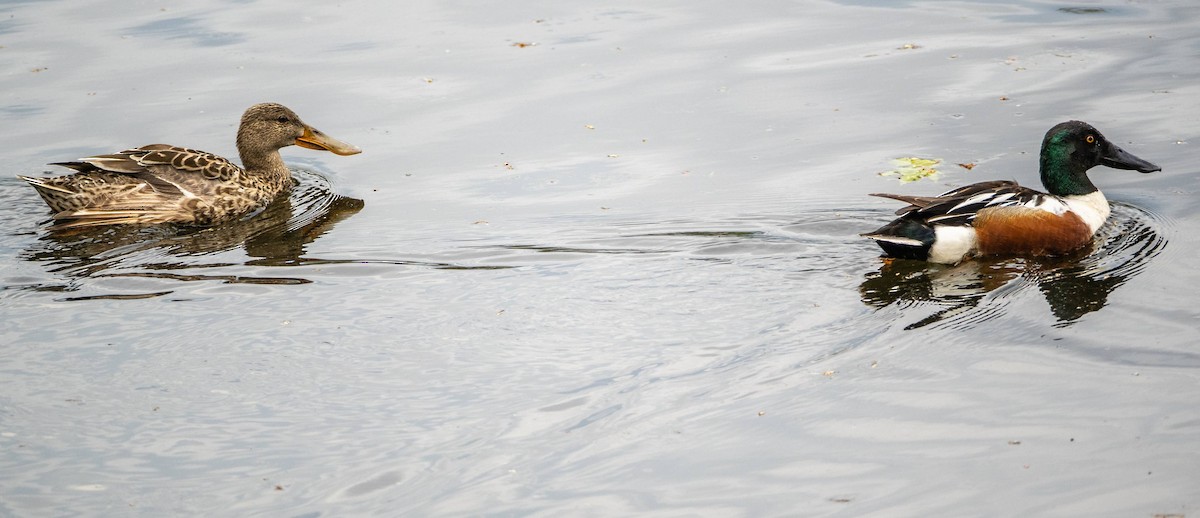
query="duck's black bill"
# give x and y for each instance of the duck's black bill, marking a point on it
(1118, 158)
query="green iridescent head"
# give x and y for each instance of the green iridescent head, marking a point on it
(1071, 148)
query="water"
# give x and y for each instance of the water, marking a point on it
(599, 260)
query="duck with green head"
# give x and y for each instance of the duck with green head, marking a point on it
(160, 183)
(1003, 218)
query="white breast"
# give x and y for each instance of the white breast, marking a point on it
(1092, 208)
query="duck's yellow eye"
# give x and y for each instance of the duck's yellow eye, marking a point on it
(1090, 139)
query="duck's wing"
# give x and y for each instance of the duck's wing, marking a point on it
(959, 206)
(920, 202)
(149, 184)
(169, 169)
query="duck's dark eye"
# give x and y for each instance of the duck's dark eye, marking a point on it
(285, 120)
(1090, 139)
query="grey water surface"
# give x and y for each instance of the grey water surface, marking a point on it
(600, 259)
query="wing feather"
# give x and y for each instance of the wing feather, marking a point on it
(958, 206)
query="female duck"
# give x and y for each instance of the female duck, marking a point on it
(159, 183)
(1003, 218)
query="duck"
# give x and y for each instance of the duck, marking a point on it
(160, 183)
(1003, 218)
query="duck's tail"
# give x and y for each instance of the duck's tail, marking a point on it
(905, 238)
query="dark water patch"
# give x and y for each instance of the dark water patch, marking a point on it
(380, 482)
(707, 233)
(433, 265)
(21, 111)
(131, 296)
(703, 239)
(8, 24)
(464, 267)
(355, 46)
(594, 417)
(187, 28)
(1083, 10)
(579, 250)
(227, 279)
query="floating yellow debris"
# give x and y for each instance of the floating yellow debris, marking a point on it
(911, 169)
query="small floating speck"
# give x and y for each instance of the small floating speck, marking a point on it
(908, 46)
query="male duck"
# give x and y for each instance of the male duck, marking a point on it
(1003, 218)
(159, 183)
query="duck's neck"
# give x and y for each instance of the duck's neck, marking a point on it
(1063, 176)
(260, 162)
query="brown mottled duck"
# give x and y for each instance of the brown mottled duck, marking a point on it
(159, 183)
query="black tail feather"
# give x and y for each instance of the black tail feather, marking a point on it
(913, 240)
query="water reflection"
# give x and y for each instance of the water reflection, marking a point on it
(1073, 286)
(278, 236)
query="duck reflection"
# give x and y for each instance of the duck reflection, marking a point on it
(278, 236)
(1073, 286)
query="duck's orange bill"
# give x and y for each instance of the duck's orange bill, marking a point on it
(314, 139)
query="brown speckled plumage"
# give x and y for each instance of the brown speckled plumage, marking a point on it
(159, 183)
